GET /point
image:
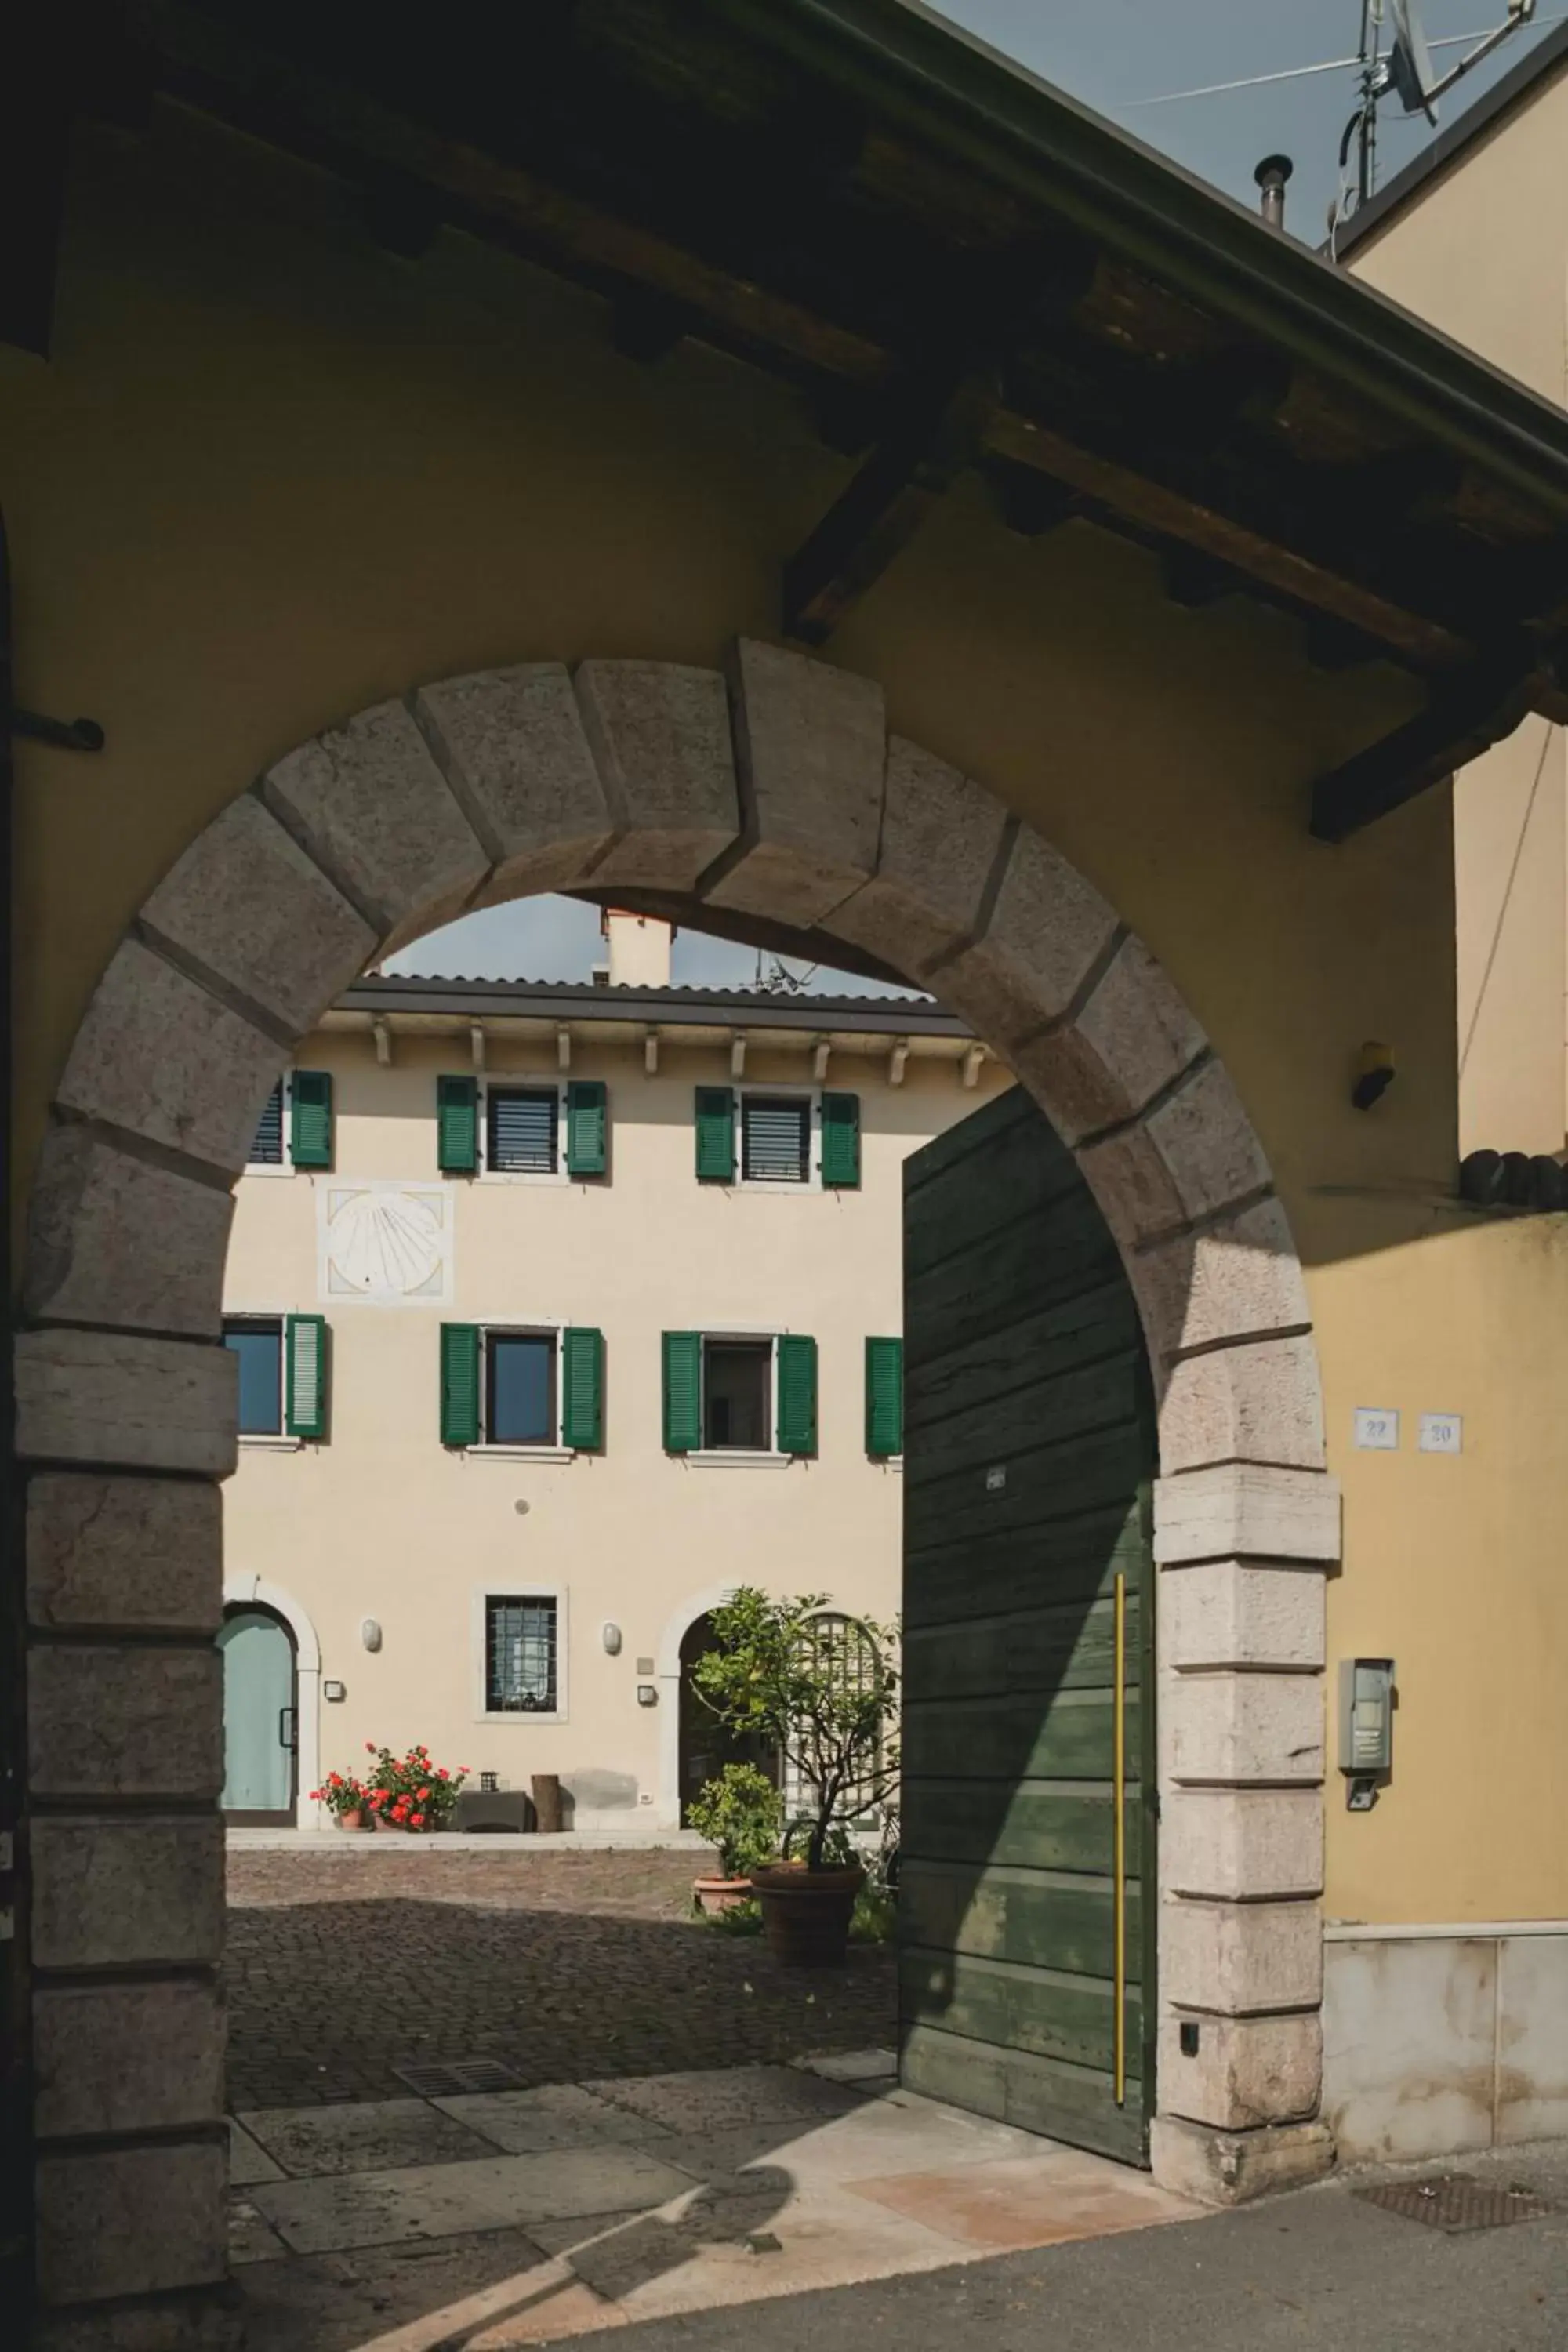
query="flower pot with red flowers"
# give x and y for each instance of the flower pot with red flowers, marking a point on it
(410, 1791)
(822, 1690)
(344, 1797)
(739, 1811)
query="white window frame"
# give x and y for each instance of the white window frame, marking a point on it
(533, 1589)
(772, 1185)
(266, 1441)
(509, 1326)
(519, 1082)
(284, 1166)
(735, 1457)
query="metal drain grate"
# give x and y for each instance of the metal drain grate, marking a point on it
(1458, 2201)
(457, 2076)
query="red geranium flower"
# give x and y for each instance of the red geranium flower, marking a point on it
(417, 1820)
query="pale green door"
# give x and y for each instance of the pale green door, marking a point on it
(259, 1716)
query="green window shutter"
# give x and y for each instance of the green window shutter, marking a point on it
(682, 1392)
(311, 1120)
(796, 1377)
(458, 1126)
(305, 1375)
(884, 1397)
(459, 1383)
(840, 1141)
(587, 1127)
(582, 1389)
(715, 1135)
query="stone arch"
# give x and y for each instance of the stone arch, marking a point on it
(775, 793)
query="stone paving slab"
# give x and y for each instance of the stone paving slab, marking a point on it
(557, 2114)
(331, 2215)
(251, 2239)
(375, 2137)
(900, 2133)
(248, 2161)
(1026, 2202)
(701, 2101)
(340, 2302)
(866, 2069)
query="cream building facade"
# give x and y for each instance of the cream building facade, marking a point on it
(482, 1497)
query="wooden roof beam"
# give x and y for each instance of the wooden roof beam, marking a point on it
(1464, 716)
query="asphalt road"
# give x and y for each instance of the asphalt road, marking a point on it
(1319, 2268)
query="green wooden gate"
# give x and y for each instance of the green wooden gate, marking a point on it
(1028, 1456)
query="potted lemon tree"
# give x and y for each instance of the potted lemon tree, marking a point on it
(739, 1811)
(823, 1691)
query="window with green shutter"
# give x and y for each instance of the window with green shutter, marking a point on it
(311, 1118)
(582, 1389)
(682, 1392)
(305, 1375)
(457, 1126)
(840, 1142)
(587, 1127)
(884, 1398)
(459, 1383)
(795, 1377)
(715, 1120)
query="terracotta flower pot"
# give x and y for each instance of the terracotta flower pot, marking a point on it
(715, 1895)
(353, 1820)
(806, 1913)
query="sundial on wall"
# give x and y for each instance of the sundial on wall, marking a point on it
(390, 1244)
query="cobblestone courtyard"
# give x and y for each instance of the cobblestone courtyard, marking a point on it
(561, 1966)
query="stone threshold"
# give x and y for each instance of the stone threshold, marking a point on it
(366, 1844)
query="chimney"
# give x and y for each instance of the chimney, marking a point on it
(1271, 175)
(640, 948)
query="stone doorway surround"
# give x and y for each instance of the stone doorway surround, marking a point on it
(776, 793)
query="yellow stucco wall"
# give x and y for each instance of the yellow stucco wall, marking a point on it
(1481, 251)
(273, 475)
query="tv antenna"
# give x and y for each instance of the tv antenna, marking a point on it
(1405, 68)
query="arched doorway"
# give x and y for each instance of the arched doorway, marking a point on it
(707, 1745)
(260, 1720)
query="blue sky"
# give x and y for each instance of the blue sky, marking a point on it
(1109, 55)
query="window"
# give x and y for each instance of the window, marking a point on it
(522, 1385)
(740, 1393)
(295, 1129)
(267, 1152)
(259, 1344)
(775, 1139)
(736, 1394)
(541, 1128)
(519, 1388)
(282, 1373)
(521, 1654)
(522, 1130)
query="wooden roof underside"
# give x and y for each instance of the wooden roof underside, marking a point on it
(786, 179)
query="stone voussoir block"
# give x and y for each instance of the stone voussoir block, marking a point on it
(1133, 1188)
(1242, 1845)
(1139, 1027)
(1243, 2071)
(811, 753)
(1239, 1960)
(127, 2058)
(130, 2221)
(1206, 1142)
(1048, 928)
(370, 804)
(159, 1055)
(114, 1239)
(1260, 1401)
(1240, 1614)
(112, 1891)
(1241, 1728)
(247, 904)
(941, 835)
(513, 746)
(660, 737)
(1237, 1279)
(1216, 2168)
(140, 1553)
(114, 1398)
(1239, 1510)
(104, 1721)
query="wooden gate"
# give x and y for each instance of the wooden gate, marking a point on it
(1028, 1596)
